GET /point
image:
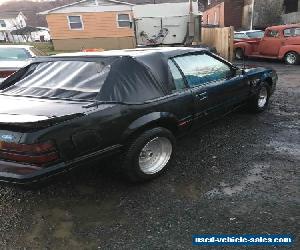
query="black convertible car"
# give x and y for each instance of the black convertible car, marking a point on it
(61, 112)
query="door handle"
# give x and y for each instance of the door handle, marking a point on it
(201, 96)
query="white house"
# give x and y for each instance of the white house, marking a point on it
(10, 21)
(41, 35)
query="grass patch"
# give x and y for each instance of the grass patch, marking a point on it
(46, 47)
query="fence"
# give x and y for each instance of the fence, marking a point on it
(293, 17)
(221, 39)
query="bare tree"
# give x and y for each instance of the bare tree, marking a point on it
(267, 12)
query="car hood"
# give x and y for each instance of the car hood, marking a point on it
(13, 64)
(256, 69)
(15, 109)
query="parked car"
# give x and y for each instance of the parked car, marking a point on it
(61, 112)
(14, 57)
(248, 35)
(279, 42)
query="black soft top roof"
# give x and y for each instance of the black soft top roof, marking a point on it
(136, 53)
(130, 76)
(155, 59)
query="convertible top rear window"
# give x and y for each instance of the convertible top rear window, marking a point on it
(62, 79)
(111, 79)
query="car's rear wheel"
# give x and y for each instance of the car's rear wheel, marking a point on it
(291, 58)
(239, 54)
(260, 101)
(149, 155)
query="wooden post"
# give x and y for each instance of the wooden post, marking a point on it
(221, 39)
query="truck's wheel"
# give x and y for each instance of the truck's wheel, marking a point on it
(291, 58)
(149, 155)
(239, 54)
(260, 101)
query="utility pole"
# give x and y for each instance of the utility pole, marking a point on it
(252, 15)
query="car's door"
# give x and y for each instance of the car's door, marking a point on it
(292, 36)
(214, 83)
(184, 101)
(270, 44)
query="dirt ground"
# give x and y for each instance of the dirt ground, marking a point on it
(237, 175)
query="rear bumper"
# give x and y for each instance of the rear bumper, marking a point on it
(7, 172)
(9, 175)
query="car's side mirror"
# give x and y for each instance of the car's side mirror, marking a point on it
(240, 72)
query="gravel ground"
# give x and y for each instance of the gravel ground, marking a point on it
(237, 175)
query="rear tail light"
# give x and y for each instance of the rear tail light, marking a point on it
(7, 73)
(36, 154)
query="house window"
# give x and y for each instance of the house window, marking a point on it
(2, 24)
(75, 22)
(124, 20)
(215, 18)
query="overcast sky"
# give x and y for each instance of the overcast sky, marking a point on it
(3, 1)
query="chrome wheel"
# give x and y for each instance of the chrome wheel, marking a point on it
(155, 155)
(239, 54)
(263, 97)
(291, 58)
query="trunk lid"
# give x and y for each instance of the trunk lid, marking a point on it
(34, 112)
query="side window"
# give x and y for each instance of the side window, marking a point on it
(201, 69)
(272, 33)
(291, 32)
(177, 77)
(2, 24)
(240, 36)
(287, 32)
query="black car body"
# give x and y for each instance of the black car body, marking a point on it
(60, 112)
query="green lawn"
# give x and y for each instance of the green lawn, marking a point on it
(46, 47)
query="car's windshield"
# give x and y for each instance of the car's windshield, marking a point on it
(61, 79)
(256, 34)
(14, 54)
(240, 36)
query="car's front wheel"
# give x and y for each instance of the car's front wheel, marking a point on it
(149, 154)
(291, 58)
(260, 101)
(239, 54)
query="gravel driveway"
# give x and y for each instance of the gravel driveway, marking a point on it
(237, 175)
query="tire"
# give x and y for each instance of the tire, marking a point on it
(149, 155)
(239, 54)
(291, 58)
(260, 101)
